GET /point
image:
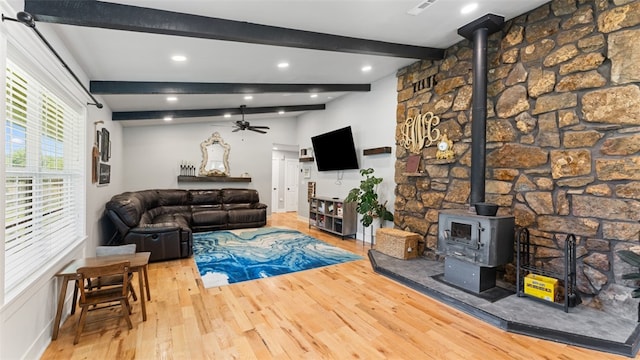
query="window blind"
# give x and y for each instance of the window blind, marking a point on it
(43, 172)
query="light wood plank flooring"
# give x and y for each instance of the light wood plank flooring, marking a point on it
(343, 311)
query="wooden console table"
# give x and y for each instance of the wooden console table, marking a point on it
(183, 178)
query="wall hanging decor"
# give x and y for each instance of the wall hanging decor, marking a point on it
(95, 153)
(104, 176)
(105, 145)
(419, 131)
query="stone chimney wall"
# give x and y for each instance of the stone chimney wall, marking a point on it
(563, 138)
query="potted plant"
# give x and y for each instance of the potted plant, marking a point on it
(366, 199)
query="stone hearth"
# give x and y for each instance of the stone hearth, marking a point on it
(583, 326)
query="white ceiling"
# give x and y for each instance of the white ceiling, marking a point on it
(131, 56)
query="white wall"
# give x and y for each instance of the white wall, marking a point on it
(99, 227)
(148, 157)
(372, 117)
(26, 320)
(153, 154)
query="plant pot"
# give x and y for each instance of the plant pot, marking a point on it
(486, 209)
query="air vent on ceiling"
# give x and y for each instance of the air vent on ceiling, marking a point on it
(420, 7)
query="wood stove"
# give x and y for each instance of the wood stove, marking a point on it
(483, 240)
(473, 246)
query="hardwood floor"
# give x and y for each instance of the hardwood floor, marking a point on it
(336, 312)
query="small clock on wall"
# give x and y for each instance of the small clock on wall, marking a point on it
(445, 148)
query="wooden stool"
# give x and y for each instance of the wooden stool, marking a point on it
(397, 243)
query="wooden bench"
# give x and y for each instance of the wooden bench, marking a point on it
(397, 243)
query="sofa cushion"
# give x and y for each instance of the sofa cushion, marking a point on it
(243, 206)
(128, 206)
(155, 228)
(175, 219)
(172, 197)
(148, 198)
(205, 197)
(209, 217)
(183, 210)
(240, 216)
(240, 196)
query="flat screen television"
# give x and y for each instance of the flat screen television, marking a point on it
(335, 150)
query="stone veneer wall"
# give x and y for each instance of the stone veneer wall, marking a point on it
(563, 135)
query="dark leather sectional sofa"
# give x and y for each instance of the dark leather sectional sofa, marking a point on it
(163, 221)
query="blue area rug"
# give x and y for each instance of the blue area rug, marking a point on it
(227, 257)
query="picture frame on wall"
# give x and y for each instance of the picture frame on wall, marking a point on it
(105, 145)
(104, 174)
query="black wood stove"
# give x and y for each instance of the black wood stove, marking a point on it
(473, 246)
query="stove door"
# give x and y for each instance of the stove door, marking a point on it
(460, 238)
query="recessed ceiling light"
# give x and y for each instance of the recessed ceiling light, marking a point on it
(227, 115)
(179, 58)
(468, 8)
(172, 98)
(275, 148)
(248, 97)
(283, 65)
(314, 95)
(281, 112)
(168, 118)
(366, 68)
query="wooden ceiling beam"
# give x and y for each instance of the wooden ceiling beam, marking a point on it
(134, 18)
(157, 87)
(175, 114)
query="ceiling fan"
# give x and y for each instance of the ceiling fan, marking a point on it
(244, 125)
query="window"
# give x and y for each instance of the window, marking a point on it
(43, 175)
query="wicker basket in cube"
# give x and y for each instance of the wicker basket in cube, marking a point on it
(397, 243)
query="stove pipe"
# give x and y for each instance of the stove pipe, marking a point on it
(478, 31)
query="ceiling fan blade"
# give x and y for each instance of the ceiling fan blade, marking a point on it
(257, 130)
(260, 127)
(236, 130)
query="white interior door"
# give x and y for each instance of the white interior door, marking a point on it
(275, 188)
(291, 184)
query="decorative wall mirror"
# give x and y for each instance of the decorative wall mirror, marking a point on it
(215, 156)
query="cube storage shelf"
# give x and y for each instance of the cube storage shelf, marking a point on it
(333, 215)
